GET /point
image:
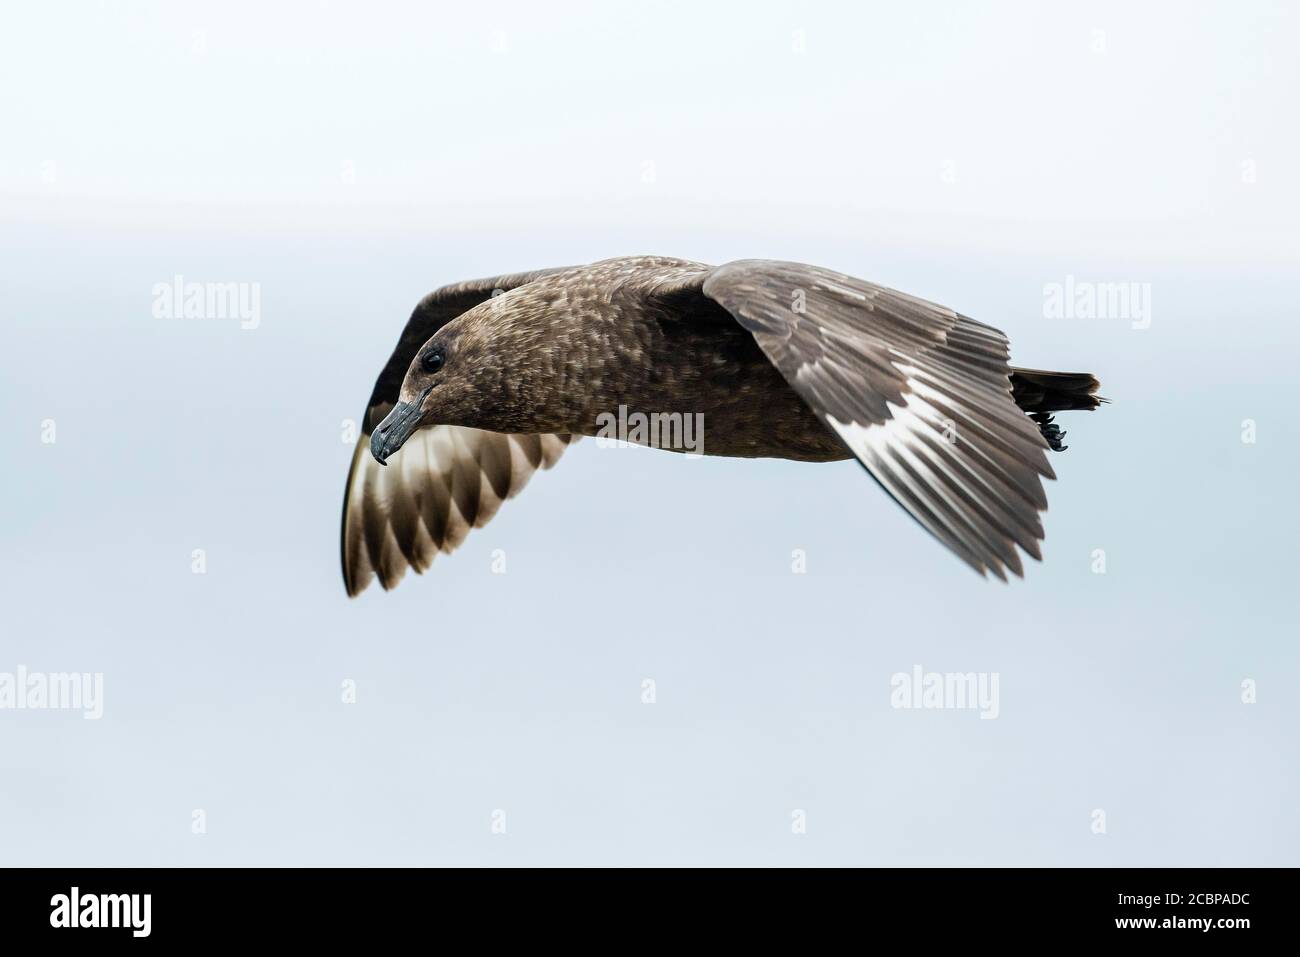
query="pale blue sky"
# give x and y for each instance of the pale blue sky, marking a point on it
(349, 158)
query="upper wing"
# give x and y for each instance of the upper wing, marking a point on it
(446, 479)
(920, 394)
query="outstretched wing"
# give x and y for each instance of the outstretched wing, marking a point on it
(446, 479)
(918, 393)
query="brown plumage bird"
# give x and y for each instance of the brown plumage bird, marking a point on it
(492, 379)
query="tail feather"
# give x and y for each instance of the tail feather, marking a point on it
(1041, 393)
(1036, 390)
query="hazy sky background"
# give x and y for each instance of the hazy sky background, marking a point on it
(348, 158)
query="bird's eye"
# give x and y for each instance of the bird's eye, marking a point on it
(432, 360)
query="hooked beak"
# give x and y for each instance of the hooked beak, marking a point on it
(397, 427)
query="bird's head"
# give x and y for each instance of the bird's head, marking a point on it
(482, 370)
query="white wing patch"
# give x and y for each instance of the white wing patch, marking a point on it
(947, 484)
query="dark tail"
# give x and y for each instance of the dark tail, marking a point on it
(1040, 393)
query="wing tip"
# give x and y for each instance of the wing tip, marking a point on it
(351, 587)
(1017, 566)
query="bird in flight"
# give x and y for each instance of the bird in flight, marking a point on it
(492, 379)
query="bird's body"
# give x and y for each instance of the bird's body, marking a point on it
(778, 360)
(597, 337)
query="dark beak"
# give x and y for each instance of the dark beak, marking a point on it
(396, 428)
